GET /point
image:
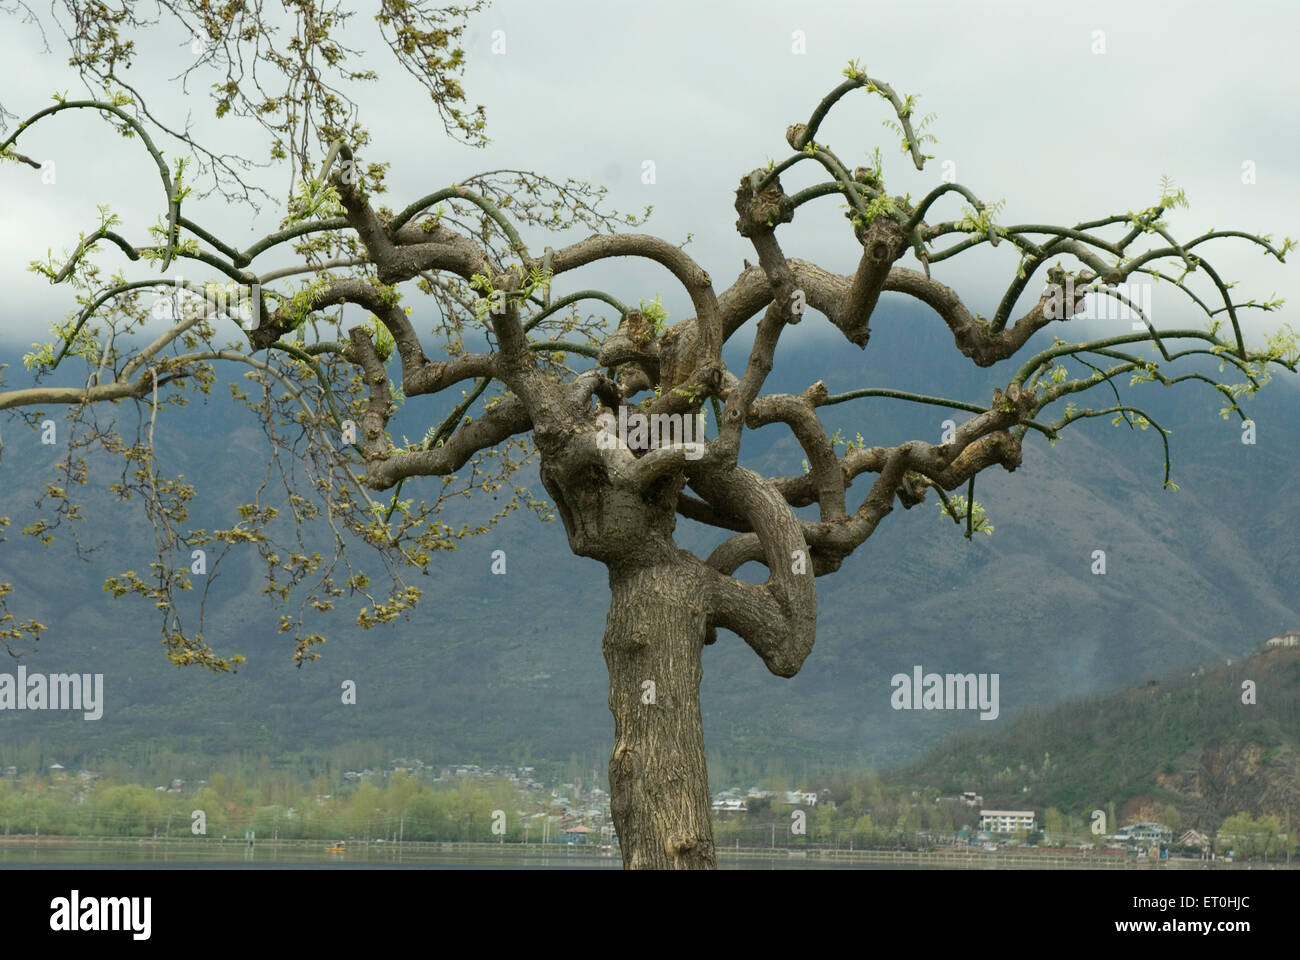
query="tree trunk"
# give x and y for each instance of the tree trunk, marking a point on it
(659, 788)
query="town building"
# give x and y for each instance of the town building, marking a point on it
(1008, 821)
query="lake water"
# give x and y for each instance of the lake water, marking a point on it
(232, 853)
(269, 855)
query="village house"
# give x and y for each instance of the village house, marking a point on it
(1289, 639)
(576, 835)
(1144, 833)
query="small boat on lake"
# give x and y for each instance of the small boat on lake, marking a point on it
(336, 847)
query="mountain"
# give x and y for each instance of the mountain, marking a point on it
(1191, 739)
(509, 667)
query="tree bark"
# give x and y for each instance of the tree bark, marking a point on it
(659, 789)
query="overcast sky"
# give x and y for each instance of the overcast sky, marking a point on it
(1028, 112)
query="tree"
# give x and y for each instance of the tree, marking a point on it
(822, 828)
(1173, 819)
(1235, 835)
(1265, 835)
(334, 390)
(864, 831)
(1054, 825)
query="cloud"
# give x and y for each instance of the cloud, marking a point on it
(1027, 112)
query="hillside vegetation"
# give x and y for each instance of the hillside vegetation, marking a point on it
(1186, 740)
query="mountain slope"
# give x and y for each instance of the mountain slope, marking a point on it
(1187, 739)
(506, 666)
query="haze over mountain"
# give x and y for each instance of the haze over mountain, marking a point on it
(504, 667)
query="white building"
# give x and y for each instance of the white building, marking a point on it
(729, 805)
(1289, 639)
(1007, 821)
(1147, 832)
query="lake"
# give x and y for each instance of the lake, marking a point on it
(216, 854)
(181, 853)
